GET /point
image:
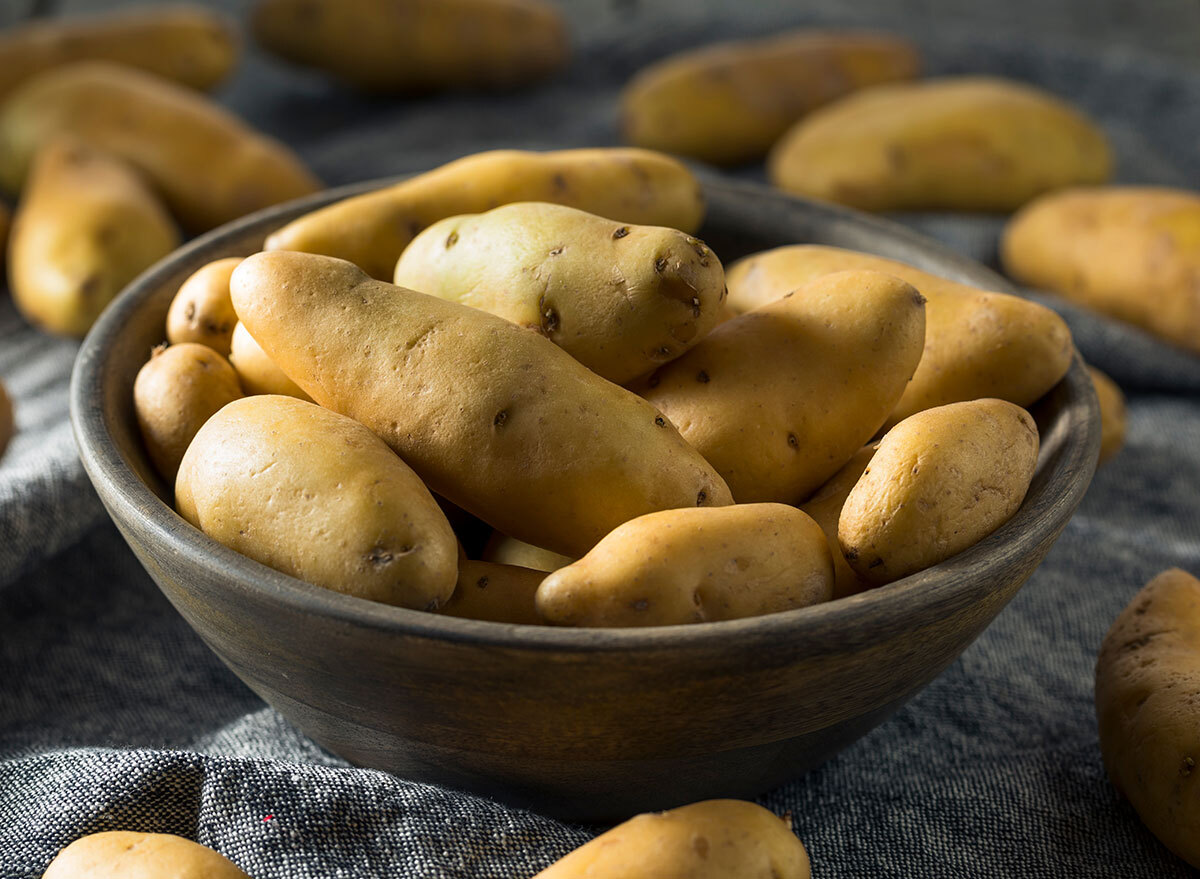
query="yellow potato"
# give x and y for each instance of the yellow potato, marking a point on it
(620, 299)
(417, 45)
(7, 423)
(977, 343)
(940, 481)
(497, 419)
(122, 854)
(207, 165)
(1112, 414)
(495, 592)
(259, 374)
(714, 839)
(727, 103)
(777, 400)
(626, 185)
(318, 496)
(825, 507)
(967, 143)
(188, 43)
(87, 226)
(693, 566)
(1147, 678)
(1131, 252)
(202, 311)
(506, 550)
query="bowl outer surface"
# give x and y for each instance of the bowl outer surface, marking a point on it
(579, 723)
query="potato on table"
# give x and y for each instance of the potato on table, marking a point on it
(7, 423)
(129, 855)
(1112, 414)
(502, 549)
(619, 298)
(202, 310)
(825, 507)
(258, 373)
(495, 592)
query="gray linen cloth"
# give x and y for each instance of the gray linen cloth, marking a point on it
(113, 715)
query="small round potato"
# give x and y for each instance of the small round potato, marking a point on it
(7, 423)
(825, 507)
(318, 496)
(693, 566)
(258, 372)
(1112, 414)
(506, 550)
(495, 592)
(202, 310)
(128, 855)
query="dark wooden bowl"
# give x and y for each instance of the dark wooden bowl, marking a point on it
(583, 724)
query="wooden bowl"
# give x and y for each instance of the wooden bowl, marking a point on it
(581, 724)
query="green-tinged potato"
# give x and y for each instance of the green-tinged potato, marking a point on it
(318, 496)
(494, 592)
(620, 299)
(206, 163)
(1112, 414)
(1147, 678)
(968, 143)
(825, 507)
(777, 400)
(1131, 252)
(122, 854)
(505, 550)
(7, 423)
(693, 566)
(259, 374)
(417, 45)
(977, 343)
(176, 391)
(940, 481)
(626, 185)
(727, 103)
(86, 226)
(714, 839)
(202, 310)
(188, 43)
(497, 419)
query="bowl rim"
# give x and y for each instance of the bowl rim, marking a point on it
(896, 606)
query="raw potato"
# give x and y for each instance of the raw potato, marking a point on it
(968, 143)
(495, 592)
(727, 103)
(260, 374)
(693, 566)
(7, 425)
(506, 550)
(1147, 677)
(187, 43)
(202, 310)
(825, 507)
(777, 400)
(121, 854)
(1131, 252)
(497, 419)
(626, 185)
(174, 394)
(620, 299)
(977, 343)
(417, 45)
(1112, 414)
(940, 481)
(205, 162)
(714, 839)
(86, 226)
(318, 496)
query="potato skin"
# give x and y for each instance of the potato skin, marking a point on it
(494, 592)
(713, 839)
(940, 481)
(957, 143)
(497, 419)
(1112, 414)
(7, 423)
(166, 131)
(727, 103)
(202, 310)
(977, 343)
(132, 855)
(777, 400)
(86, 226)
(626, 185)
(1131, 252)
(620, 299)
(1147, 675)
(825, 507)
(417, 45)
(258, 373)
(318, 496)
(502, 549)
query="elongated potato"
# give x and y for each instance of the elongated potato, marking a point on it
(714, 839)
(129, 855)
(940, 481)
(1147, 677)
(626, 185)
(260, 374)
(825, 507)
(727, 103)
(207, 165)
(505, 550)
(202, 310)
(1131, 252)
(188, 43)
(417, 45)
(969, 143)
(620, 299)
(497, 419)
(7, 423)
(316, 495)
(777, 400)
(87, 225)
(494, 592)
(977, 343)
(1112, 414)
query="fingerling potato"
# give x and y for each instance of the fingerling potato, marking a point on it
(495, 592)
(825, 508)
(1112, 414)
(202, 310)
(132, 855)
(507, 550)
(259, 374)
